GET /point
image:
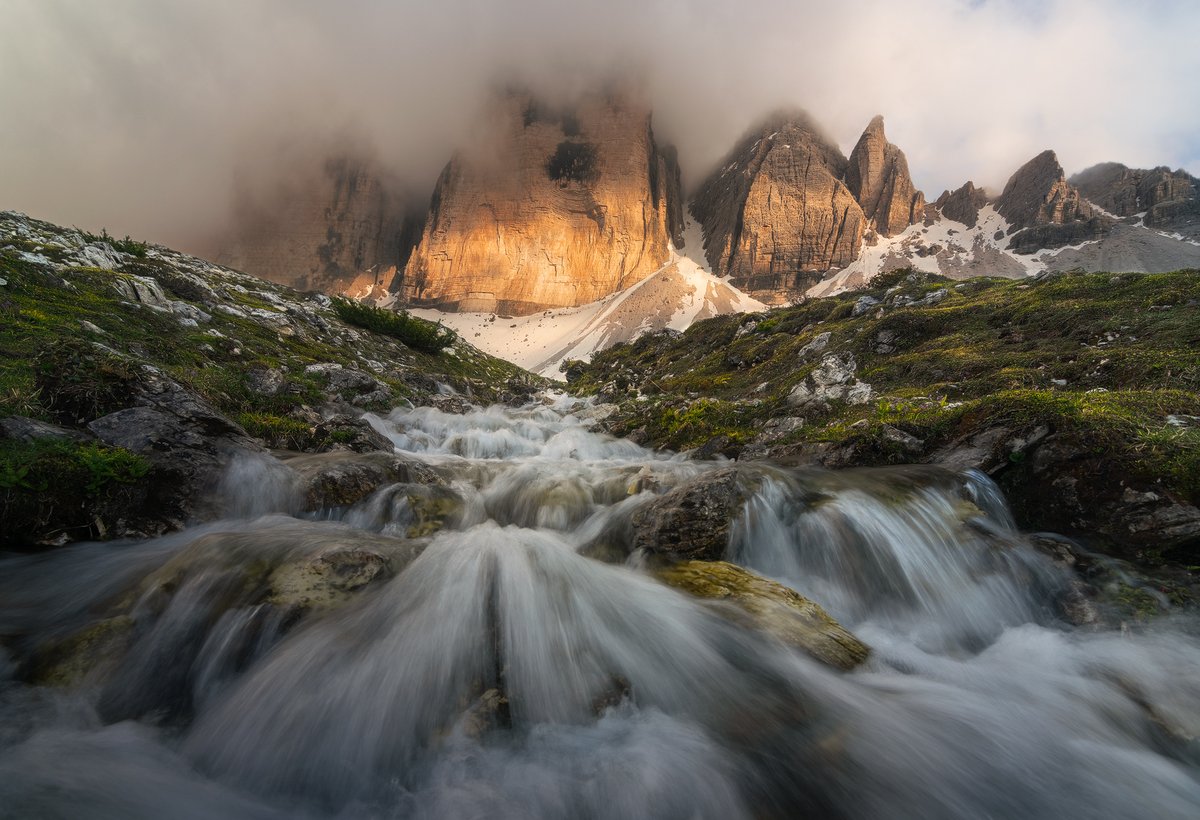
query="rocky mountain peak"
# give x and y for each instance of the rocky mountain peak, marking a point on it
(568, 204)
(877, 175)
(963, 204)
(776, 213)
(1044, 210)
(1039, 194)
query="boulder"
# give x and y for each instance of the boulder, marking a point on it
(770, 607)
(831, 380)
(693, 520)
(340, 479)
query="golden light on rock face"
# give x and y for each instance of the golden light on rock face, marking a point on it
(563, 208)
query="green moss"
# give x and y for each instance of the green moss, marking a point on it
(277, 432)
(770, 607)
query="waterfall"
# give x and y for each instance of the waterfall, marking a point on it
(453, 649)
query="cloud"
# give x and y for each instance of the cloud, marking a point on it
(145, 115)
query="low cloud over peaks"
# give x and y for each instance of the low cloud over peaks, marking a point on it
(144, 116)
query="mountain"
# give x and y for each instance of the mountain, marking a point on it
(561, 207)
(777, 213)
(1044, 210)
(1162, 198)
(345, 225)
(562, 210)
(877, 176)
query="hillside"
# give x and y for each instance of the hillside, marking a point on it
(131, 374)
(1076, 392)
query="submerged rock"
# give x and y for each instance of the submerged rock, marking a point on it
(770, 607)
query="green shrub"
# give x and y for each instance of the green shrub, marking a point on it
(126, 245)
(416, 333)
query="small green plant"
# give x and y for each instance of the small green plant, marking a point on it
(126, 245)
(416, 333)
(57, 465)
(79, 382)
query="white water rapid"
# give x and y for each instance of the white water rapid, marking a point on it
(449, 649)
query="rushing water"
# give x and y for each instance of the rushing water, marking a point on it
(501, 673)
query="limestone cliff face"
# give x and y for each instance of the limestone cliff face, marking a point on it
(776, 213)
(1044, 210)
(347, 221)
(963, 204)
(562, 208)
(1165, 196)
(877, 176)
(1039, 194)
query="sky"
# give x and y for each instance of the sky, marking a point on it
(147, 116)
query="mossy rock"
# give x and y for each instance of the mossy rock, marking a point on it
(327, 579)
(770, 607)
(85, 655)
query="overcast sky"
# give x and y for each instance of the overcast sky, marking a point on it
(142, 115)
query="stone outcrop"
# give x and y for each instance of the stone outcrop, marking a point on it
(1038, 197)
(561, 208)
(963, 204)
(877, 176)
(776, 213)
(349, 225)
(762, 604)
(1166, 197)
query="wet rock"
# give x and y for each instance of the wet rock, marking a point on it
(693, 520)
(342, 479)
(91, 654)
(324, 580)
(770, 607)
(342, 432)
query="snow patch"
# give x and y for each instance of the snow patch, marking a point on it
(681, 292)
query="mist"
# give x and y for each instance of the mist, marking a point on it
(146, 116)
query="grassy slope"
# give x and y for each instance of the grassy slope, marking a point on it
(38, 311)
(1101, 358)
(55, 368)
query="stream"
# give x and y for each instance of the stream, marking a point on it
(494, 668)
